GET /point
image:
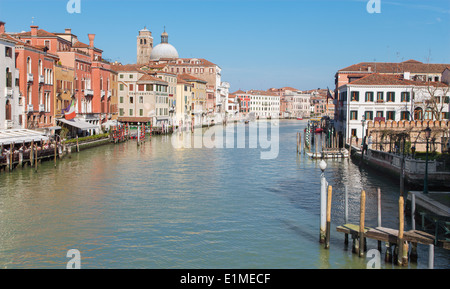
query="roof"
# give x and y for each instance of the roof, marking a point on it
(188, 77)
(394, 67)
(148, 77)
(382, 79)
(187, 61)
(20, 135)
(80, 44)
(239, 92)
(40, 33)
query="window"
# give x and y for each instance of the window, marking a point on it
(131, 99)
(141, 99)
(390, 115)
(121, 112)
(149, 87)
(368, 115)
(380, 96)
(121, 87)
(131, 88)
(141, 112)
(404, 115)
(141, 87)
(369, 96)
(355, 96)
(353, 132)
(131, 112)
(380, 113)
(121, 99)
(8, 52)
(390, 97)
(353, 115)
(446, 99)
(405, 97)
(121, 76)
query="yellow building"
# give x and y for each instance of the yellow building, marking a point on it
(64, 92)
(198, 97)
(114, 86)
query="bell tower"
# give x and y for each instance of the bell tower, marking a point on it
(144, 46)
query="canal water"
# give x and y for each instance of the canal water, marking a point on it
(156, 206)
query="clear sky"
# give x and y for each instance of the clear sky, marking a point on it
(258, 43)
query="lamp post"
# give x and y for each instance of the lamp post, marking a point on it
(363, 122)
(425, 180)
(323, 201)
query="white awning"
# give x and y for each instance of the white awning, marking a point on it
(78, 123)
(20, 135)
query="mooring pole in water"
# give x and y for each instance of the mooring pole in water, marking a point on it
(361, 223)
(346, 213)
(323, 202)
(328, 236)
(379, 215)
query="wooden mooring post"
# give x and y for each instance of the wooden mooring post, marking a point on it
(361, 224)
(328, 233)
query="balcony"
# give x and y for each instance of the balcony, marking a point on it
(109, 93)
(102, 93)
(41, 79)
(30, 108)
(88, 92)
(9, 92)
(41, 108)
(30, 77)
(9, 124)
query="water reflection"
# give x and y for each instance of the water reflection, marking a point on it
(154, 206)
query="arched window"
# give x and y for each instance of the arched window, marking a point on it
(8, 78)
(28, 65)
(8, 110)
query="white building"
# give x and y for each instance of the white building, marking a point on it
(9, 90)
(385, 98)
(264, 104)
(298, 104)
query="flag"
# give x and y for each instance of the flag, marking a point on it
(69, 112)
(329, 95)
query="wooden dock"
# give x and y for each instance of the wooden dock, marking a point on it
(391, 235)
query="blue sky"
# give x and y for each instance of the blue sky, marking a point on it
(258, 43)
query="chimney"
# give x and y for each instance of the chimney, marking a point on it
(2, 27)
(34, 30)
(91, 39)
(68, 31)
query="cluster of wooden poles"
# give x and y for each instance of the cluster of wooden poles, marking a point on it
(33, 156)
(302, 144)
(397, 248)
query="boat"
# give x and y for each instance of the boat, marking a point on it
(318, 130)
(299, 118)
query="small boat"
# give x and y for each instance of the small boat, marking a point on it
(319, 130)
(299, 118)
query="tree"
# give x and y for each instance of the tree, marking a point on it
(433, 97)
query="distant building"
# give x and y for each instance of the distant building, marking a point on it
(380, 97)
(142, 97)
(408, 70)
(144, 46)
(11, 104)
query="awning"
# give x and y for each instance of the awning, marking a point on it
(20, 135)
(78, 123)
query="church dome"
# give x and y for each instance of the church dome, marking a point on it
(164, 49)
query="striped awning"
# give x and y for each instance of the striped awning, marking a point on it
(17, 136)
